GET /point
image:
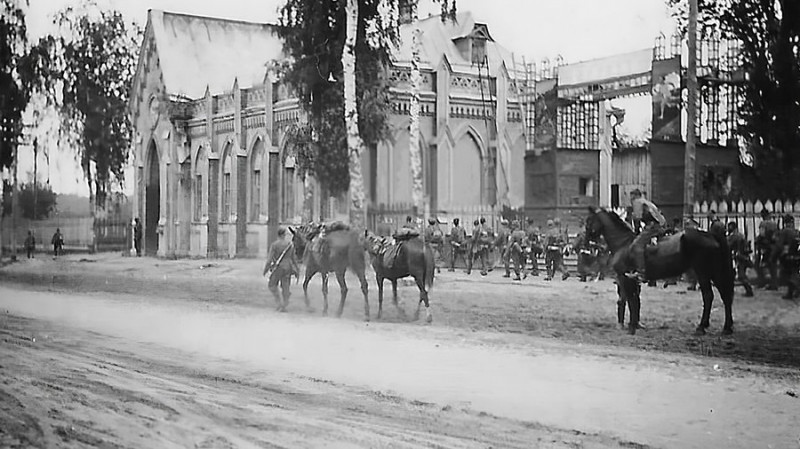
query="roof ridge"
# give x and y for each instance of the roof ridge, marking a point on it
(215, 19)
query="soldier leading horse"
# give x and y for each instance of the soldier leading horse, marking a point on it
(332, 249)
(705, 253)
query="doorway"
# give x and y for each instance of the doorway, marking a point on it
(152, 201)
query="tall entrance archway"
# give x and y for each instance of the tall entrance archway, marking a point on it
(152, 201)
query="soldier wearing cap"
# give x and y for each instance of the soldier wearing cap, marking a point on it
(501, 243)
(765, 258)
(535, 245)
(435, 238)
(740, 252)
(786, 251)
(458, 244)
(553, 255)
(283, 264)
(517, 243)
(646, 214)
(481, 239)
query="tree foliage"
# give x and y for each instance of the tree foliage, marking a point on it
(86, 71)
(33, 205)
(314, 33)
(769, 33)
(13, 96)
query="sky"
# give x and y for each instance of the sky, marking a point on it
(578, 30)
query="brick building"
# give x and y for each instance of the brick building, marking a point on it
(213, 176)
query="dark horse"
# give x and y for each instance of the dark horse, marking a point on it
(338, 249)
(414, 258)
(705, 253)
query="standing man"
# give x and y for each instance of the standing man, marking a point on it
(458, 241)
(517, 242)
(30, 244)
(137, 236)
(501, 243)
(645, 213)
(58, 242)
(553, 255)
(535, 246)
(435, 238)
(765, 242)
(786, 252)
(481, 240)
(281, 261)
(740, 252)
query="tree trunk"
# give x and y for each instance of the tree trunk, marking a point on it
(358, 216)
(691, 113)
(417, 194)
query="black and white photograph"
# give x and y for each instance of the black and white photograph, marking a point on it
(583, 217)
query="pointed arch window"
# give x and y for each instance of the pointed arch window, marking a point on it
(200, 170)
(226, 184)
(256, 180)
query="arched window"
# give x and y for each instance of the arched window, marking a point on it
(200, 169)
(256, 180)
(226, 184)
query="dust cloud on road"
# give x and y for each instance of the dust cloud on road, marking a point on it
(608, 399)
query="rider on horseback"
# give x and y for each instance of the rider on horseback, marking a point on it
(646, 214)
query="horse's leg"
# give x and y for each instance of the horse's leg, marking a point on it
(343, 290)
(309, 273)
(423, 297)
(622, 300)
(725, 284)
(708, 299)
(362, 278)
(324, 275)
(400, 310)
(634, 305)
(379, 279)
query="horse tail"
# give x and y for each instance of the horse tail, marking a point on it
(428, 267)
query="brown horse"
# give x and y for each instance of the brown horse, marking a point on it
(707, 254)
(414, 258)
(333, 251)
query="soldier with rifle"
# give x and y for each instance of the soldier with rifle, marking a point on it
(283, 264)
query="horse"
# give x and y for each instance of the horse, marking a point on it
(413, 258)
(707, 254)
(333, 251)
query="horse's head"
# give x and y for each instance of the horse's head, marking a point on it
(616, 232)
(593, 225)
(373, 243)
(301, 236)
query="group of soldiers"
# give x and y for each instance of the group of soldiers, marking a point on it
(517, 247)
(777, 252)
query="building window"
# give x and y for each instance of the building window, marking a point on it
(226, 196)
(256, 194)
(198, 197)
(586, 186)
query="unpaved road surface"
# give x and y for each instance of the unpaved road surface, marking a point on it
(136, 371)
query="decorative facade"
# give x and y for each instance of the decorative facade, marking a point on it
(213, 177)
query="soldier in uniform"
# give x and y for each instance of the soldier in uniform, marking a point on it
(517, 243)
(480, 245)
(501, 243)
(30, 244)
(586, 255)
(645, 213)
(740, 252)
(764, 257)
(458, 244)
(553, 255)
(535, 245)
(786, 251)
(435, 238)
(283, 264)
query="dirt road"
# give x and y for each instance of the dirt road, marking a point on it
(134, 371)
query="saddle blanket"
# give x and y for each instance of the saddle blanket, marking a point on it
(389, 255)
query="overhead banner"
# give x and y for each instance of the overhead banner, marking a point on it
(546, 116)
(667, 100)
